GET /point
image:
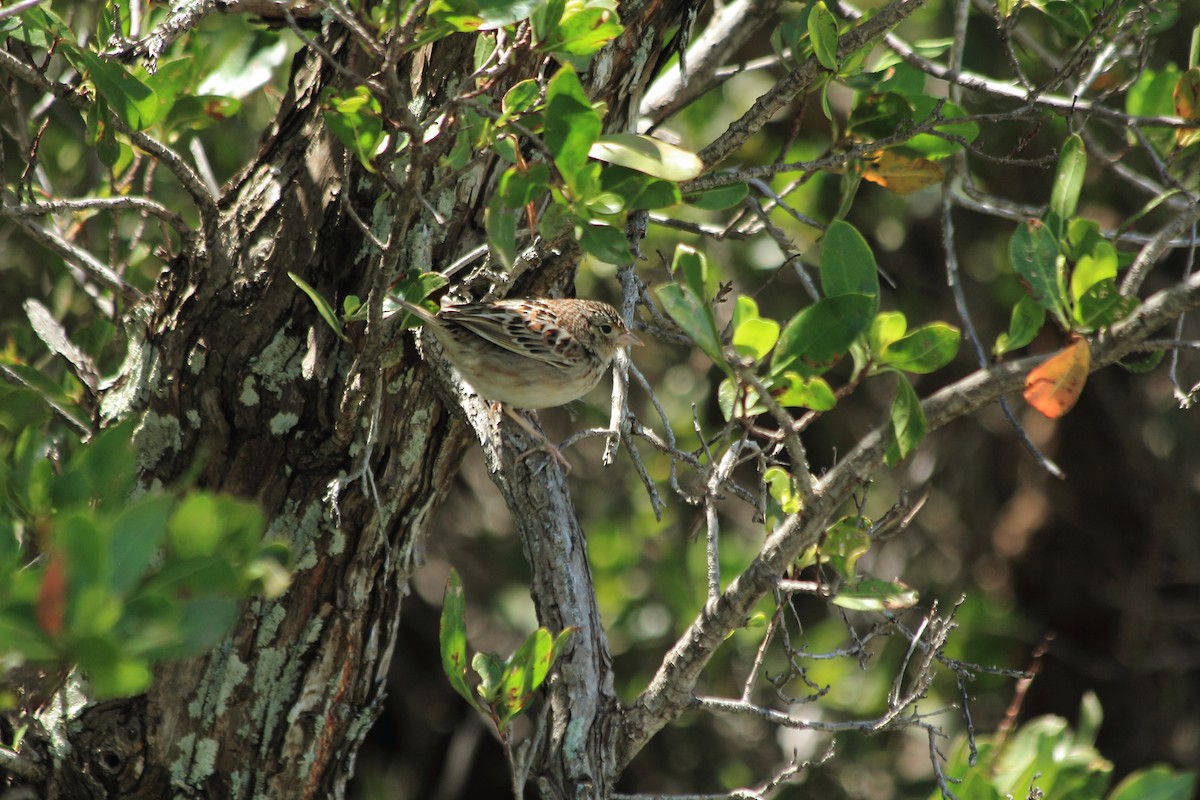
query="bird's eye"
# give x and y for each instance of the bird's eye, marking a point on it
(606, 328)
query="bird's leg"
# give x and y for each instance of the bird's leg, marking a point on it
(544, 443)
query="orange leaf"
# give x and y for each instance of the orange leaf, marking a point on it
(51, 607)
(1053, 386)
(902, 174)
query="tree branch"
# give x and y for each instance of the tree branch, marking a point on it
(671, 690)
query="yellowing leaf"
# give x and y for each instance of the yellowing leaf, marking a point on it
(902, 174)
(1054, 386)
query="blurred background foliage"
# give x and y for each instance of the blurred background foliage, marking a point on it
(1107, 560)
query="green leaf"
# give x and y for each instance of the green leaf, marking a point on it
(501, 224)
(1027, 319)
(879, 114)
(572, 125)
(816, 338)
(753, 336)
(691, 265)
(323, 308)
(847, 263)
(872, 594)
(887, 327)
(1098, 264)
(695, 317)
(453, 637)
(1067, 18)
(498, 13)
(1103, 304)
(518, 186)
(1151, 95)
(823, 32)
(490, 670)
(846, 541)
(792, 391)
(520, 98)
(356, 120)
(1068, 179)
(720, 198)
(605, 243)
(196, 527)
(1156, 783)
(928, 348)
(137, 535)
(1034, 253)
(781, 485)
(647, 154)
(132, 101)
(935, 147)
(582, 33)
(906, 423)
(523, 674)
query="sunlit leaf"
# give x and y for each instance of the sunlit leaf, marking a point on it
(647, 154)
(1054, 386)
(906, 423)
(823, 32)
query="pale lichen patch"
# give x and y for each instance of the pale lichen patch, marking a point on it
(283, 422)
(249, 396)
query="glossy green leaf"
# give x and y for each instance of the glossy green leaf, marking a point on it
(927, 348)
(695, 317)
(1068, 18)
(130, 99)
(906, 423)
(1068, 178)
(572, 125)
(753, 336)
(792, 391)
(453, 637)
(816, 338)
(647, 154)
(323, 308)
(1026, 320)
(872, 594)
(520, 98)
(523, 674)
(1102, 304)
(847, 264)
(823, 33)
(887, 327)
(691, 266)
(1034, 253)
(1096, 265)
(605, 242)
(581, 33)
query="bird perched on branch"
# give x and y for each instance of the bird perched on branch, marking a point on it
(530, 353)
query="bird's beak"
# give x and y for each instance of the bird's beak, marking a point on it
(628, 338)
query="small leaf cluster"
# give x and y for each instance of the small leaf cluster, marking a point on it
(1044, 757)
(98, 574)
(592, 180)
(838, 552)
(505, 687)
(1068, 267)
(791, 359)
